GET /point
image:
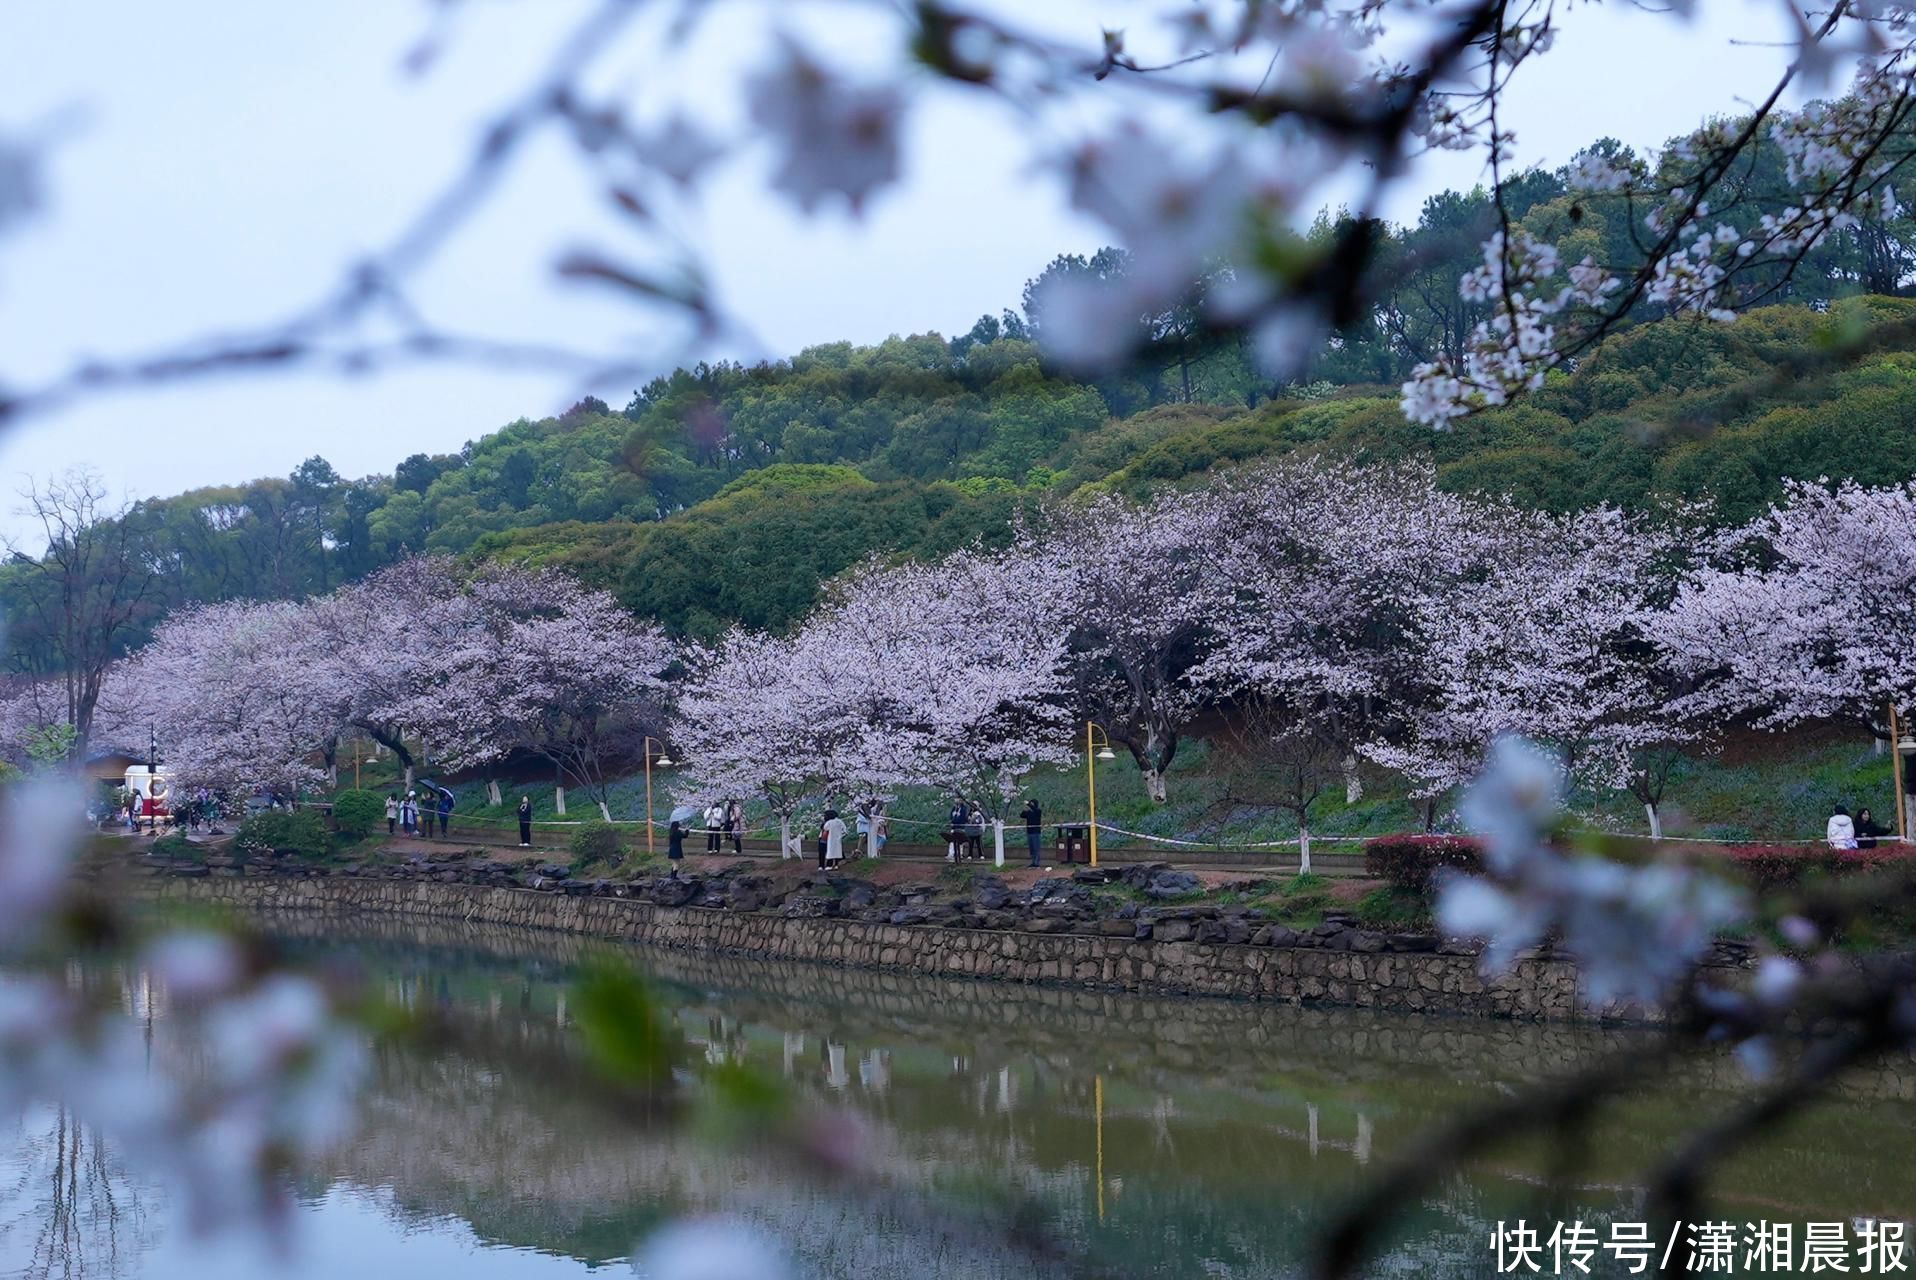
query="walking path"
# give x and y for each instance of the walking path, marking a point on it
(1342, 863)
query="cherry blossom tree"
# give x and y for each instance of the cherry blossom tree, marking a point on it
(385, 641)
(1275, 758)
(960, 679)
(536, 662)
(746, 725)
(1547, 637)
(1323, 593)
(231, 688)
(1124, 582)
(1808, 611)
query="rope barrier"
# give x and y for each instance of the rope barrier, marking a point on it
(1292, 842)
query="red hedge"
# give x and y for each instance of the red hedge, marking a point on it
(1781, 866)
(1409, 861)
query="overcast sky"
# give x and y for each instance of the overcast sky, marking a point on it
(231, 156)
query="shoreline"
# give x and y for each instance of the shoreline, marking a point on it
(1343, 968)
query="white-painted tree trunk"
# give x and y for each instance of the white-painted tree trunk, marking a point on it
(1303, 848)
(1154, 785)
(1353, 785)
(492, 794)
(998, 841)
(409, 777)
(1656, 820)
(604, 812)
(558, 801)
(784, 837)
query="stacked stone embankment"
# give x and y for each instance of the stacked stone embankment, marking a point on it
(1058, 931)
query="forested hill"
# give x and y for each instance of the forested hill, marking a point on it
(725, 493)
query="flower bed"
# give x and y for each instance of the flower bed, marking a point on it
(1411, 861)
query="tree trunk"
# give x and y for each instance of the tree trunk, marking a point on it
(604, 812)
(492, 794)
(1303, 847)
(998, 841)
(1353, 785)
(784, 836)
(558, 801)
(1154, 784)
(1656, 820)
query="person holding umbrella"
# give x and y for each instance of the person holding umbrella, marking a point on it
(675, 846)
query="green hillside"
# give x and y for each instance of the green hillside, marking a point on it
(726, 494)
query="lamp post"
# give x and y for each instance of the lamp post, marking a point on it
(1097, 1096)
(1897, 766)
(1094, 740)
(664, 759)
(153, 778)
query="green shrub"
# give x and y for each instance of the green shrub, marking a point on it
(358, 814)
(1409, 862)
(177, 846)
(299, 832)
(1393, 908)
(598, 842)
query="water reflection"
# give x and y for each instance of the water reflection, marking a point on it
(1161, 1137)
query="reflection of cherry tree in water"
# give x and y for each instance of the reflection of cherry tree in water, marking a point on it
(68, 1206)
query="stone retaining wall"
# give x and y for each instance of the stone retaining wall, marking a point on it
(1427, 982)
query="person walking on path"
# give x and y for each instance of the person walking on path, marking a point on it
(834, 838)
(735, 822)
(714, 815)
(864, 826)
(409, 814)
(675, 846)
(1034, 827)
(1841, 832)
(392, 813)
(975, 833)
(525, 822)
(881, 832)
(1867, 831)
(445, 811)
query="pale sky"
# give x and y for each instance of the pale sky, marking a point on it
(230, 157)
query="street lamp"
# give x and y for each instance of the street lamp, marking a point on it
(1094, 740)
(664, 759)
(152, 777)
(357, 761)
(1901, 746)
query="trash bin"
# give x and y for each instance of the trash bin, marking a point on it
(1074, 842)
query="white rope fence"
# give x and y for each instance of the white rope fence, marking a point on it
(696, 828)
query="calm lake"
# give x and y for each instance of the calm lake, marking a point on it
(1161, 1138)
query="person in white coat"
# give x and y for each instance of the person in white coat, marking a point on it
(834, 838)
(1841, 832)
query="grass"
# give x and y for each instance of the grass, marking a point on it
(1761, 786)
(1393, 909)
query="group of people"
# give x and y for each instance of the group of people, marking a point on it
(1859, 832)
(965, 830)
(414, 815)
(723, 821)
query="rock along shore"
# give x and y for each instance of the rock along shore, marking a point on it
(1059, 931)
